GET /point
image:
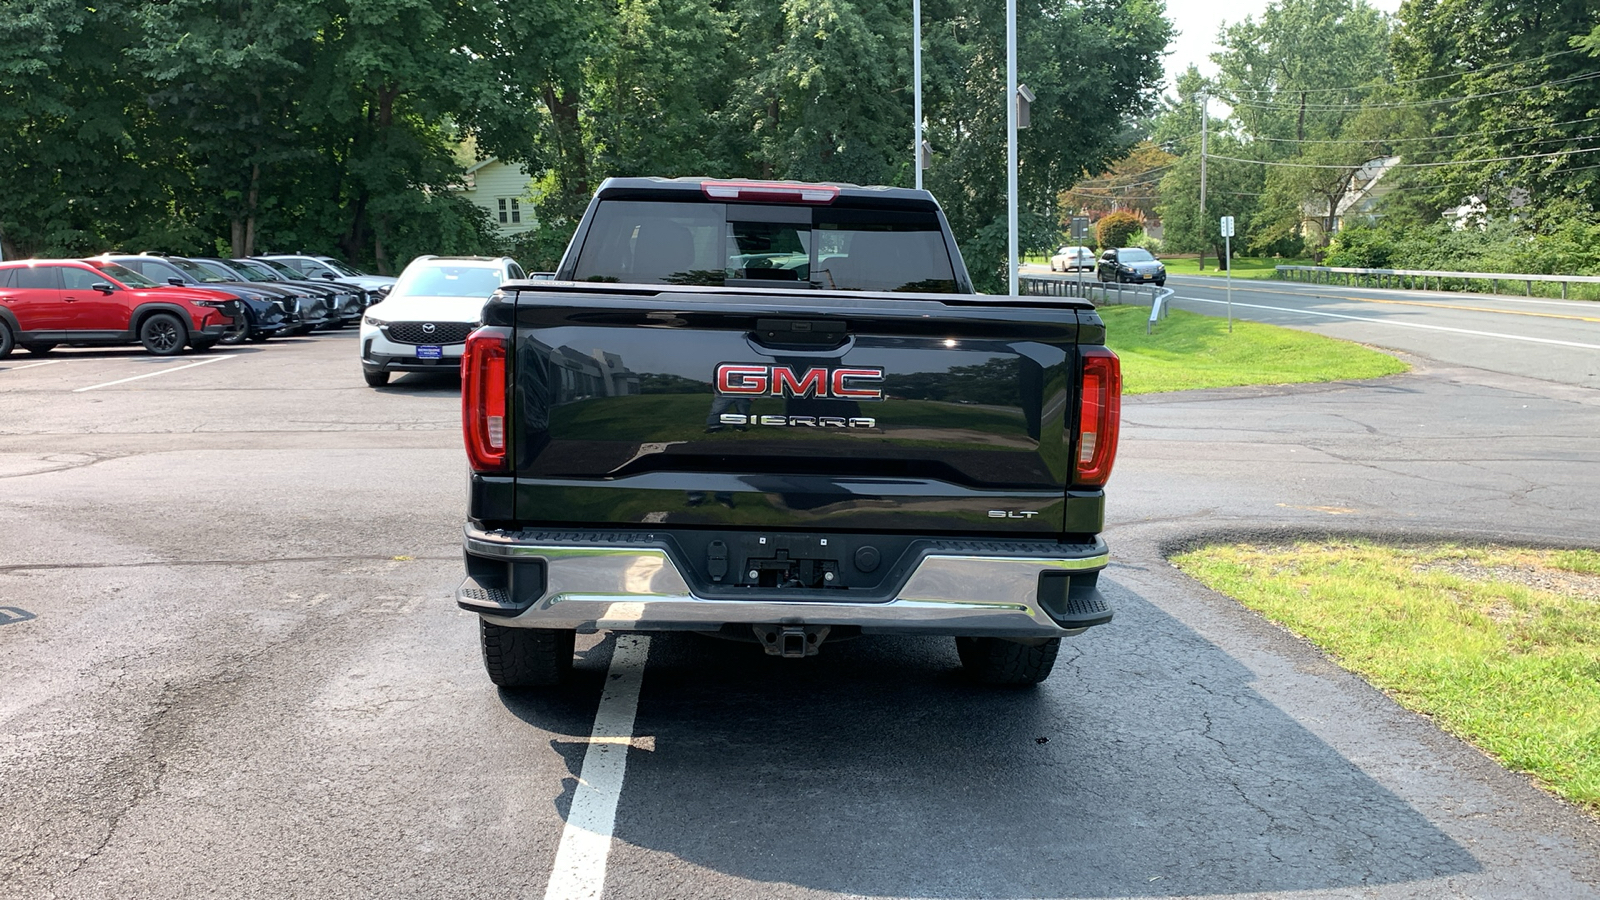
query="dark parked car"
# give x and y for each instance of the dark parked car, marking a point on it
(1131, 265)
(46, 302)
(266, 314)
(315, 311)
(348, 300)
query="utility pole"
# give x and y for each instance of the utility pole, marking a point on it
(1011, 141)
(1205, 131)
(916, 78)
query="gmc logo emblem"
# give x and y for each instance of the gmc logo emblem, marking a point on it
(782, 381)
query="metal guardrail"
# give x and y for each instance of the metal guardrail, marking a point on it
(1099, 293)
(1406, 279)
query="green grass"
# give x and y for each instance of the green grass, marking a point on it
(1189, 351)
(1243, 266)
(1500, 646)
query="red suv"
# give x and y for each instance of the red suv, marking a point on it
(45, 302)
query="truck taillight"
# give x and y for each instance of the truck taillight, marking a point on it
(1099, 415)
(483, 399)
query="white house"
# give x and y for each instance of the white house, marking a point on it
(1363, 191)
(503, 190)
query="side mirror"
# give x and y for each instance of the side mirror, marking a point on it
(175, 282)
(102, 287)
(329, 275)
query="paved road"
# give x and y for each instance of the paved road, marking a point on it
(231, 668)
(1555, 340)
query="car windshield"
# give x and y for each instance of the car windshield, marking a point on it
(220, 268)
(278, 267)
(435, 280)
(341, 268)
(200, 273)
(254, 271)
(126, 275)
(1134, 255)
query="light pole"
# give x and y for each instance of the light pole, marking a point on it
(1011, 143)
(916, 78)
(1205, 132)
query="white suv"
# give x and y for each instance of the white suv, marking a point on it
(422, 325)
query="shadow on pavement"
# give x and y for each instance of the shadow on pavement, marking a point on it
(1147, 765)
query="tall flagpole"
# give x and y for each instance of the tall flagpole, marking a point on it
(916, 77)
(1011, 142)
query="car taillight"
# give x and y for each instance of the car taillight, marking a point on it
(771, 191)
(1099, 415)
(483, 399)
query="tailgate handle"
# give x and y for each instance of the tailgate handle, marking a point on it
(805, 334)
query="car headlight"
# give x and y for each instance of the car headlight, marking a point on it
(214, 304)
(375, 323)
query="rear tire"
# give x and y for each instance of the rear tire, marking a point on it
(527, 657)
(7, 341)
(375, 379)
(995, 661)
(163, 335)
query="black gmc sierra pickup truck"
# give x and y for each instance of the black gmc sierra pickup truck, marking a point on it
(778, 412)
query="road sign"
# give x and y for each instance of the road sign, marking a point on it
(1227, 226)
(1080, 228)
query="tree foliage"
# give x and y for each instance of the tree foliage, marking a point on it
(334, 125)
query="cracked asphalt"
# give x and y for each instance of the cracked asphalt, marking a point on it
(231, 667)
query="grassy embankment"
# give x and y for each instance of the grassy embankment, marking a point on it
(1189, 351)
(1500, 646)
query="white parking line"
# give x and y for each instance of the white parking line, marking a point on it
(48, 362)
(579, 872)
(1328, 315)
(149, 374)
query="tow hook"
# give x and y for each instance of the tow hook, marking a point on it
(791, 641)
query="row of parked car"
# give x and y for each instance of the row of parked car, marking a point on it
(168, 303)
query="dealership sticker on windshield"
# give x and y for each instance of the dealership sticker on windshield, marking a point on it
(430, 352)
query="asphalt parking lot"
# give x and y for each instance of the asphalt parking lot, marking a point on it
(232, 667)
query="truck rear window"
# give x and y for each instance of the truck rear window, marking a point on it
(748, 245)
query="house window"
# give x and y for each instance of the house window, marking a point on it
(510, 211)
(516, 213)
(502, 211)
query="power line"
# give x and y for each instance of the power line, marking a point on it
(1361, 87)
(1422, 165)
(1336, 107)
(1440, 137)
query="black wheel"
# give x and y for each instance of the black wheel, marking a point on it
(7, 341)
(527, 657)
(163, 335)
(38, 349)
(1161, 282)
(238, 334)
(995, 661)
(375, 379)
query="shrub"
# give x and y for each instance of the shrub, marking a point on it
(1361, 247)
(1114, 228)
(1142, 238)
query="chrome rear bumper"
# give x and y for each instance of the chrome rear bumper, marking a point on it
(635, 585)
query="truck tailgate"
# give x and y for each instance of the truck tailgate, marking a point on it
(801, 410)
